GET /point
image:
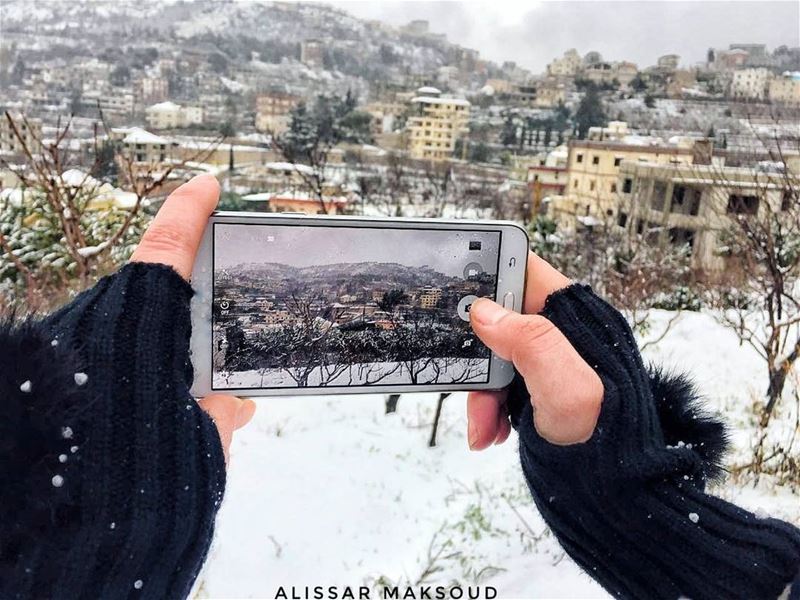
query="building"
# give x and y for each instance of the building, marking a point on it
(168, 115)
(312, 53)
(273, 111)
(429, 297)
(751, 84)
(29, 129)
(550, 93)
(548, 178)
(143, 146)
(118, 104)
(668, 62)
(566, 66)
(294, 201)
(785, 89)
(693, 204)
(153, 89)
(594, 187)
(437, 123)
(604, 73)
(384, 115)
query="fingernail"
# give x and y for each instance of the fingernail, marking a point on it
(472, 435)
(486, 312)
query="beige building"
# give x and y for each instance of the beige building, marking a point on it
(668, 62)
(785, 89)
(608, 73)
(436, 124)
(566, 66)
(143, 146)
(693, 204)
(273, 111)
(153, 89)
(550, 93)
(168, 115)
(429, 297)
(750, 84)
(594, 187)
(29, 131)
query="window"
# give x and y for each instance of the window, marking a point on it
(788, 200)
(627, 185)
(622, 219)
(591, 185)
(685, 200)
(658, 197)
(617, 160)
(595, 160)
(681, 237)
(613, 187)
(742, 205)
(579, 158)
(575, 184)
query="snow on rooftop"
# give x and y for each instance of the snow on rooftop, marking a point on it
(137, 135)
(164, 107)
(428, 90)
(287, 166)
(433, 100)
(258, 197)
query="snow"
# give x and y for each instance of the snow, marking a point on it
(384, 373)
(89, 251)
(335, 483)
(26, 387)
(81, 378)
(138, 584)
(57, 481)
(694, 517)
(67, 433)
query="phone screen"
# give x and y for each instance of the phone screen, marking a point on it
(339, 306)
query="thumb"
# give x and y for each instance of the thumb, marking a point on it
(229, 414)
(565, 391)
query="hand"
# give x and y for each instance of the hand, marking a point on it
(565, 392)
(172, 239)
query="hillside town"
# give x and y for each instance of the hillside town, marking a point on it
(414, 125)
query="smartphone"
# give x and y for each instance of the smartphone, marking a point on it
(290, 304)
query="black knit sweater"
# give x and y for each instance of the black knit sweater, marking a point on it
(111, 475)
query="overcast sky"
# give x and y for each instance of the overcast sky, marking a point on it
(533, 32)
(447, 252)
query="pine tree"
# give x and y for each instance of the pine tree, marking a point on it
(590, 112)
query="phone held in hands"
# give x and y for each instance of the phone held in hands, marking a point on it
(292, 304)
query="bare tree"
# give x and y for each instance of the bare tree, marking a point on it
(63, 197)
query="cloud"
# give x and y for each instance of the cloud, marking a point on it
(533, 33)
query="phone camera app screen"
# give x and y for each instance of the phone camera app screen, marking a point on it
(322, 306)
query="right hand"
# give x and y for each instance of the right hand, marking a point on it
(565, 391)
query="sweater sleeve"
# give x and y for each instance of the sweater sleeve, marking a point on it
(629, 505)
(110, 473)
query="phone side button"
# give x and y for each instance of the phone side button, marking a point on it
(508, 300)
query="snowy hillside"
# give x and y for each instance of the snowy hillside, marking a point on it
(326, 491)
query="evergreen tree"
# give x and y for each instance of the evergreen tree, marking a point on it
(508, 136)
(590, 112)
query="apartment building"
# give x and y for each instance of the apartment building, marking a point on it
(437, 123)
(750, 84)
(153, 89)
(693, 204)
(429, 297)
(603, 73)
(594, 186)
(168, 115)
(29, 130)
(141, 145)
(273, 111)
(785, 89)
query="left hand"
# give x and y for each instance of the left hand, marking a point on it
(172, 239)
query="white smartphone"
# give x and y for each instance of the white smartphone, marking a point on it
(290, 304)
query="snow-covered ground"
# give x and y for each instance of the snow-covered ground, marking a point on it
(440, 370)
(330, 491)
